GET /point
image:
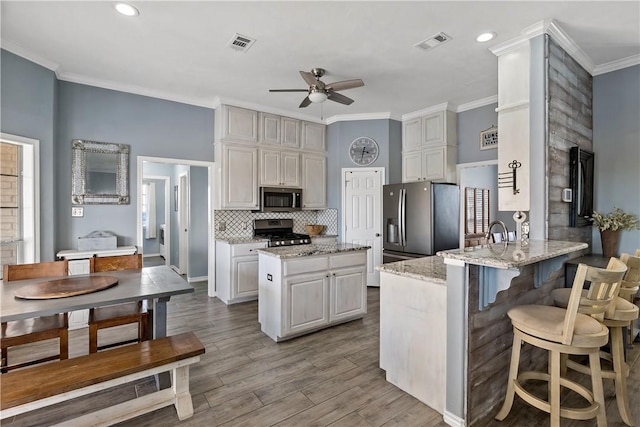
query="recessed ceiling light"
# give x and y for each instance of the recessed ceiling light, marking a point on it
(126, 9)
(485, 37)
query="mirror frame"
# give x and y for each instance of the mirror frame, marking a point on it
(79, 150)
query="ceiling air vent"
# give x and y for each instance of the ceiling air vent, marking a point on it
(241, 43)
(433, 41)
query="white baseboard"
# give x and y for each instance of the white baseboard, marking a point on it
(453, 420)
(197, 279)
(150, 255)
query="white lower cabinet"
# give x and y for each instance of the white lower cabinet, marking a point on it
(237, 271)
(301, 295)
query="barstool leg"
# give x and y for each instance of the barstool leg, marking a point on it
(617, 354)
(554, 387)
(513, 375)
(596, 386)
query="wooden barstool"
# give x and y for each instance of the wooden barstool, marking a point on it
(119, 314)
(564, 331)
(27, 331)
(619, 316)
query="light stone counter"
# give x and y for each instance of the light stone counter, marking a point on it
(239, 240)
(511, 255)
(297, 251)
(430, 268)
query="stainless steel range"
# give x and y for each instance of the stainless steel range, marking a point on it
(279, 232)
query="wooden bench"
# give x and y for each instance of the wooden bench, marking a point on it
(47, 384)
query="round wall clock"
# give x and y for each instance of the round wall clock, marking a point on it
(363, 151)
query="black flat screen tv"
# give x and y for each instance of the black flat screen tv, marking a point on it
(581, 181)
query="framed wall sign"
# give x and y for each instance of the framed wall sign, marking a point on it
(489, 138)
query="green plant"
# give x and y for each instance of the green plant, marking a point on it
(615, 220)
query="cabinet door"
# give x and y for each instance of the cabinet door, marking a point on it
(240, 169)
(290, 129)
(313, 135)
(412, 166)
(270, 168)
(433, 129)
(270, 129)
(348, 293)
(412, 135)
(314, 182)
(245, 276)
(290, 169)
(306, 302)
(434, 164)
(240, 124)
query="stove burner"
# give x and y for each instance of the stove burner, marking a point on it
(279, 232)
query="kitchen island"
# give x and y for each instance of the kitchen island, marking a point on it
(304, 288)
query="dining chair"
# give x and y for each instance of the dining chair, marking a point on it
(565, 331)
(118, 314)
(620, 315)
(21, 332)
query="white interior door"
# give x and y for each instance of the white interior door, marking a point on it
(362, 214)
(183, 221)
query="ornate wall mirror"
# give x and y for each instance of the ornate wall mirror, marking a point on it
(100, 173)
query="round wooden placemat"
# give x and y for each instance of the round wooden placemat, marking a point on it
(66, 287)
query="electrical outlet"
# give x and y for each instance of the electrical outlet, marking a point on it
(222, 226)
(77, 211)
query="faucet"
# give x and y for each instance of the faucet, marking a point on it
(496, 222)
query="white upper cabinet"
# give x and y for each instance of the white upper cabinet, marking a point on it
(279, 168)
(239, 124)
(429, 147)
(239, 177)
(290, 130)
(314, 181)
(276, 130)
(313, 137)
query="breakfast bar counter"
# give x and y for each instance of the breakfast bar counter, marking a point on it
(482, 284)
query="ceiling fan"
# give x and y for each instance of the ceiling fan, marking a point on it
(319, 91)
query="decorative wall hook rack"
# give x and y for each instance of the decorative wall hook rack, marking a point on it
(508, 179)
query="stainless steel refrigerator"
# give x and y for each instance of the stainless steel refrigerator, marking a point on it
(420, 219)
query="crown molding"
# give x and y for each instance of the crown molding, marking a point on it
(16, 49)
(425, 111)
(616, 65)
(355, 117)
(567, 43)
(509, 46)
(493, 99)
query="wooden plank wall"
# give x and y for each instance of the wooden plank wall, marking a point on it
(570, 124)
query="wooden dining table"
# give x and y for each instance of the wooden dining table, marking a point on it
(156, 284)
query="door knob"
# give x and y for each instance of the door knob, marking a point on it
(377, 234)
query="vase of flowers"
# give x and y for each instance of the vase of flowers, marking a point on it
(610, 225)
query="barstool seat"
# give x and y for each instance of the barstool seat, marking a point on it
(565, 331)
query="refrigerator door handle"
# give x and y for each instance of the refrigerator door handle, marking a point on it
(403, 218)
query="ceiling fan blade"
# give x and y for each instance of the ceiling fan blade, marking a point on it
(346, 84)
(337, 97)
(305, 102)
(309, 78)
(288, 90)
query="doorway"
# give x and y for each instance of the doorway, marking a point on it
(362, 214)
(183, 221)
(199, 267)
(156, 222)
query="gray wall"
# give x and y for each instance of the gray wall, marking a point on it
(28, 106)
(152, 127)
(616, 144)
(388, 135)
(469, 125)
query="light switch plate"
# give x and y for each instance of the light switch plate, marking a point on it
(77, 211)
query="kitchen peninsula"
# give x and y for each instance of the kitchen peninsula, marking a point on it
(305, 288)
(473, 336)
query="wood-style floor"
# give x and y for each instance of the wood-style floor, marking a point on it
(329, 378)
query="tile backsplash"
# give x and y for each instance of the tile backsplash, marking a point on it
(240, 223)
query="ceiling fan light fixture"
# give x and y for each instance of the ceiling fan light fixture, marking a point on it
(485, 37)
(317, 96)
(126, 9)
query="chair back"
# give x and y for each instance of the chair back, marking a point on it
(604, 288)
(35, 271)
(115, 263)
(631, 282)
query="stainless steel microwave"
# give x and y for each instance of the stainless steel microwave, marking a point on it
(276, 199)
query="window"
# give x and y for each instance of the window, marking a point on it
(19, 200)
(476, 210)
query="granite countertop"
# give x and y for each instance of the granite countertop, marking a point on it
(430, 269)
(511, 255)
(297, 251)
(238, 240)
